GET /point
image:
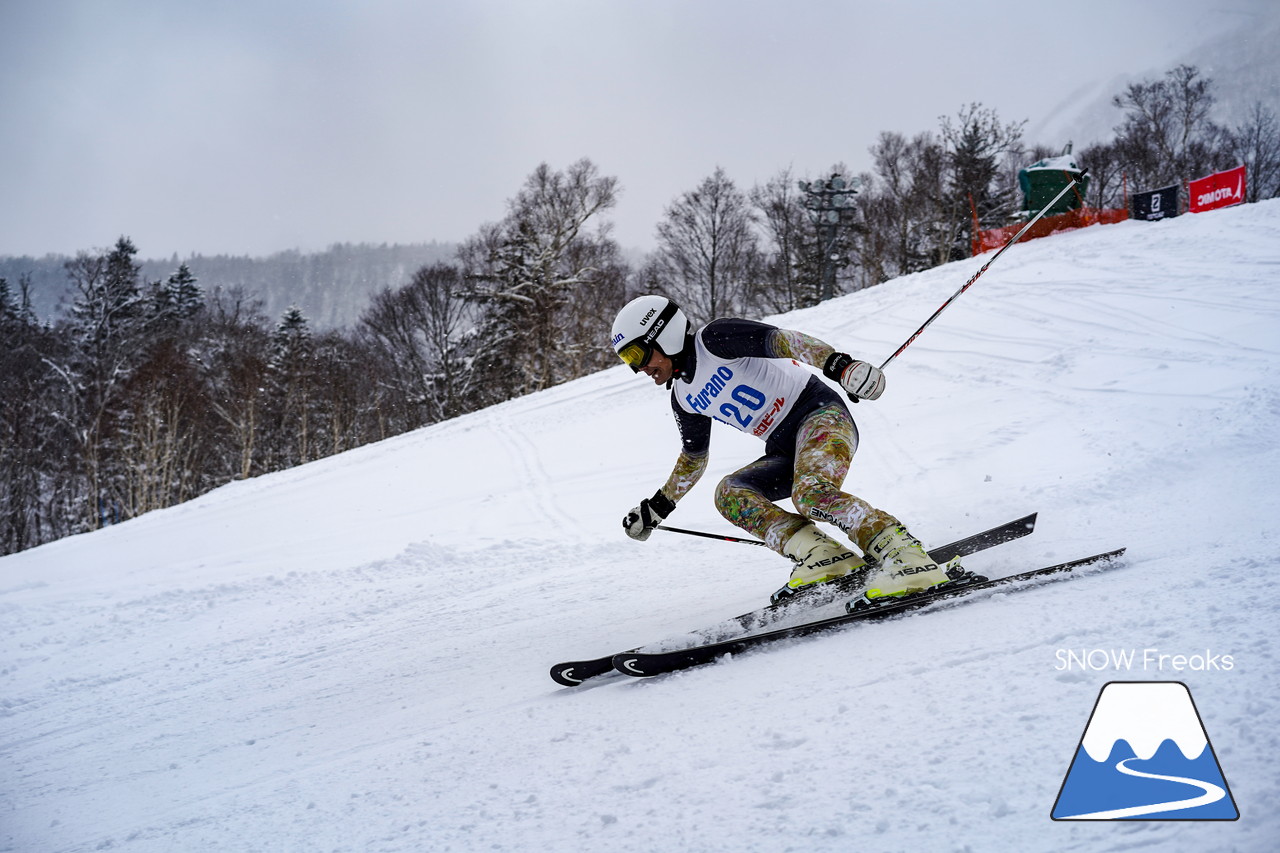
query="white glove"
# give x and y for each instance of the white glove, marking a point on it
(644, 519)
(861, 380)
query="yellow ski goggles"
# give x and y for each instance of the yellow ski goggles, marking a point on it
(636, 355)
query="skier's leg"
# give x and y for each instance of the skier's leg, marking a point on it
(746, 499)
(824, 449)
(825, 446)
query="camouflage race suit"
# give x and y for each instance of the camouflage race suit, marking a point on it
(811, 476)
(807, 453)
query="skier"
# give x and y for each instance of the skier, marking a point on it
(745, 374)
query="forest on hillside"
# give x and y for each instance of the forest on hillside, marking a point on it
(331, 287)
(139, 389)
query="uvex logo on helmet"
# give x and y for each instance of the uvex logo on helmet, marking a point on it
(644, 321)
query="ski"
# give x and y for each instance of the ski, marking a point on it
(642, 664)
(573, 673)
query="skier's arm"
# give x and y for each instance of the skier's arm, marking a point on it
(751, 339)
(695, 439)
(861, 380)
(734, 338)
(689, 469)
(787, 343)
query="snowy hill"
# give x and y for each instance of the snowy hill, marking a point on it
(353, 655)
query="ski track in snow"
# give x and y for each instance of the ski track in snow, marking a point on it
(352, 655)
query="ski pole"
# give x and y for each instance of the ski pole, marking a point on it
(710, 535)
(968, 283)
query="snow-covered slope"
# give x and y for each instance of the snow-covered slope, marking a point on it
(353, 655)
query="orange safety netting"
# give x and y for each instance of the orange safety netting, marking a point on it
(984, 241)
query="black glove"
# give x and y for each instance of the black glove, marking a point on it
(642, 520)
(861, 380)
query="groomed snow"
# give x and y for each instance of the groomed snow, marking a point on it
(353, 655)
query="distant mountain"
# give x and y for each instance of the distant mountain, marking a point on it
(332, 288)
(1243, 64)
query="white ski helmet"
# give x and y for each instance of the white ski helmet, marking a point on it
(647, 323)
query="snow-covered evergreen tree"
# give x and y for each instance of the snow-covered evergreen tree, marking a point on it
(290, 375)
(534, 274)
(977, 144)
(108, 326)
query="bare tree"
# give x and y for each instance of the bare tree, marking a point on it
(422, 328)
(235, 362)
(707, 248)
(785, 223)
(347, 398)
(902, 206)
(1106, 175)
(165, 445)
(1256, 144)
(1166, 136)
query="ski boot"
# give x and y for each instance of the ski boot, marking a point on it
(818, 559)
(905, 568)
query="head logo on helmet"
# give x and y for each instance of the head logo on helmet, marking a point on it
(645, 324)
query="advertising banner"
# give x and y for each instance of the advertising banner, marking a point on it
(1155, 204)
(1221, 189)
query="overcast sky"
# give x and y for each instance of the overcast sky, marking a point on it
(258, 126)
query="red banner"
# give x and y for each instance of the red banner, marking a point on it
(1222, 189)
